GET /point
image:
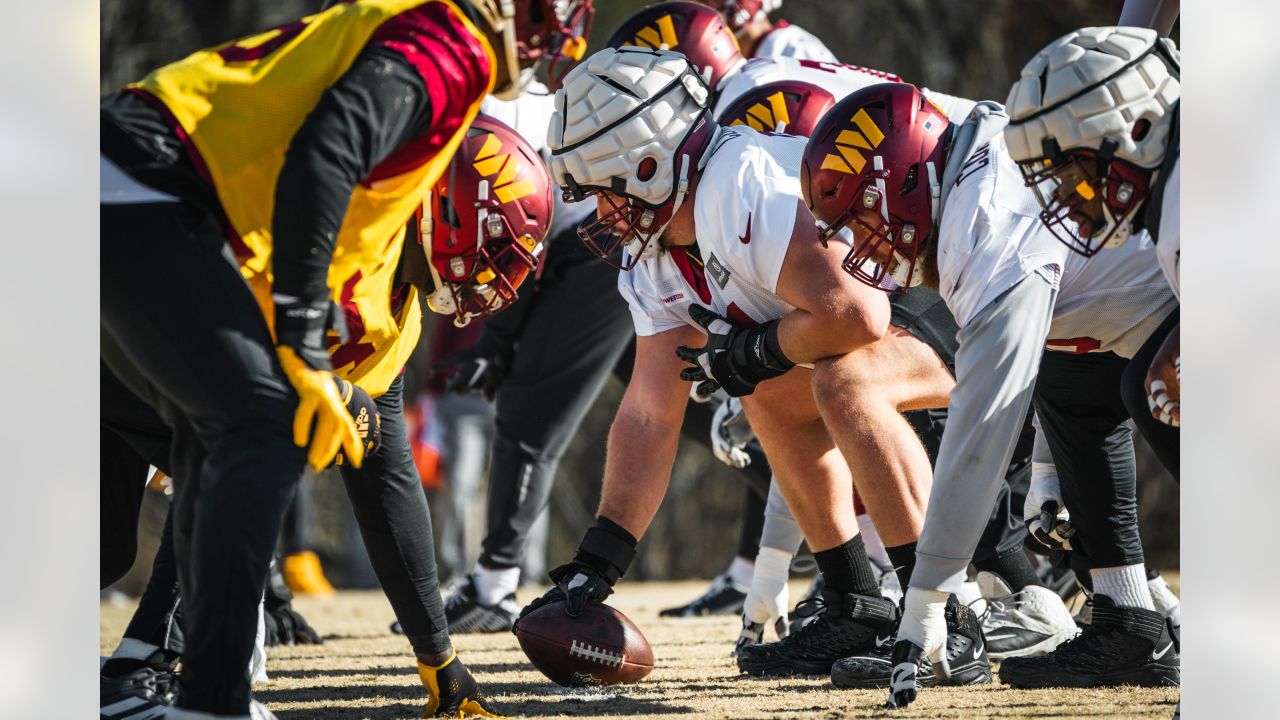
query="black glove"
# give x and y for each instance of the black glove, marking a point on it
(605, 553)
(480, 368)
(284, 625)
(906, 660)
(365, 412)
(735, 359)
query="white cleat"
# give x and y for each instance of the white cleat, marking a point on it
(1024, 624)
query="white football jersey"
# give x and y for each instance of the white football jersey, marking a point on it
(991, 237)
(1169, 249)
(838, 79)
(789, 41)
(1112, 301)
(745, 210)
(530, 116)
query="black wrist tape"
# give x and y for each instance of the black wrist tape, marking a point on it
(608, 548)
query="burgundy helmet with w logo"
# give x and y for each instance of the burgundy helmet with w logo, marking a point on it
(689, 28)
(874, 164)
(787, 106)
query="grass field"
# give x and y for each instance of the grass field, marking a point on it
(363, 671)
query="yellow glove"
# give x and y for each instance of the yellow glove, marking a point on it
(320, 403)
(460, 697)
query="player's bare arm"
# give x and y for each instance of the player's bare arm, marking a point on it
(645, 432)
(834, 313)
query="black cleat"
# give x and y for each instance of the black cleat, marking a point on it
(845, 624)
(465, 614)
(1121, 646)
(966, 656)
(722, 598)
(137, 689)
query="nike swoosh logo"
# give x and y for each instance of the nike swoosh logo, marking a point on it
(882, 641)
(1162, 653)
(977, 651)
(745, 239)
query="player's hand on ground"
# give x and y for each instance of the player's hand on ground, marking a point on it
(736, 359)
(479, 368)
(452, 691)
(286, 627)
(1164, 381)
(922, 633)
(1046, 516)
(767, 600)
(730, 433)
(578, 585)
(903, 686)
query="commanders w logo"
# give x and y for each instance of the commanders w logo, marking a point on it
(654, 39)
(491, 160)
(766, 115)
(848, 142)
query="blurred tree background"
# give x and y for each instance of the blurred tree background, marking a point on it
(973, 49)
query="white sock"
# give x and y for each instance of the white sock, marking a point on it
(134, 649)
(493, 585)
(875, 548)
(1125, 585)
(1166, 602)
(740, 572)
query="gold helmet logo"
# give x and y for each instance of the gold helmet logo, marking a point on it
(848, 143)
(660, 38)
(492, 161)
(768, 115)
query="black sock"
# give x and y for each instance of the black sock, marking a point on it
(846, 568)
(903, 558)
(1014, 568)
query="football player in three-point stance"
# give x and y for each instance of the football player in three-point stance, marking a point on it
(933, 202)
(1024, 617)
(768, 295)
(235, 223)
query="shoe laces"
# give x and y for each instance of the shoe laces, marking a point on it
(1094, 643)
(998, 610)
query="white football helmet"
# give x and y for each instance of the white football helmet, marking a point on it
(633, 123)
(1089, 124)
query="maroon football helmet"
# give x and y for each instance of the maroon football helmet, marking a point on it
(695, 30)
(787, 106)
(534, 33)
(741, 13)
(874, 164)
(483, 225)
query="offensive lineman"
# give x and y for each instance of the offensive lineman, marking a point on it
(381, 93)
(756, 263)
(1000, 272)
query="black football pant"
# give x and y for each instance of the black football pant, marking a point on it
(175, 305)
(1162, 438)
(386, 495)
(1084, 421)
(575, 328)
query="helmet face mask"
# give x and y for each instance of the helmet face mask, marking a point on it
(627, 223)
(534, 34)
(483, 225)
(1087, 201)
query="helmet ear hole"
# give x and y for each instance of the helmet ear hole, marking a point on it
(1140, 129)
(646, 170)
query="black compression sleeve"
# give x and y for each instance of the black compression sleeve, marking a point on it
(376, 107)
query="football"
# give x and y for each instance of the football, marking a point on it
(599, 647)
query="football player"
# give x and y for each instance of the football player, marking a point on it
(385, 491)
(931, 202)
(768, 296)
(759, 36)
(1031, 619)
(1110, 169)
(248, 191)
